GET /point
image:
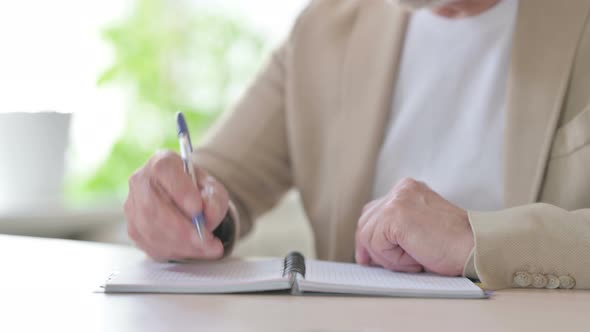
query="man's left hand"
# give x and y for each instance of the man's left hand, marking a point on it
(413, 229)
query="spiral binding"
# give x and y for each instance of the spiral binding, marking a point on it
(294, 263)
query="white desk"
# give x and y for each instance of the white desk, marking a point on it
(48, 285)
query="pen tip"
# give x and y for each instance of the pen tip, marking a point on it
(181, 123)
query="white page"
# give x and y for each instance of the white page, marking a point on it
(227, 276)
(332, 277)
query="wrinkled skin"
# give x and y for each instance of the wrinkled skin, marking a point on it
(161, 200)
(413, 229)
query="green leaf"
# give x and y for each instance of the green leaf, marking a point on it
(173, 57)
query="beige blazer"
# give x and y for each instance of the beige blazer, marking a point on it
(314, 119)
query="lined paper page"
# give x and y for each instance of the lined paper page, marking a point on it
(354, 278)
(224, 276)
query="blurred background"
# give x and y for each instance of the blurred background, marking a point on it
(88, 94)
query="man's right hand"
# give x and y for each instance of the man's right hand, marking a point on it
(161, 201)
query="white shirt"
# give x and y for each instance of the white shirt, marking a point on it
(447, 122)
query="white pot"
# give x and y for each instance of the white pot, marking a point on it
(32, 160)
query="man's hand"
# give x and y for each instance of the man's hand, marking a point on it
(413, 228)
(162, 198)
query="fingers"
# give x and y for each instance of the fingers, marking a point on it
(368, 211)
(158, 228)
(215, 199)
(369, 206)
(162, 198)
(361, 254)
(166, 169)
(210, 197)
(377, 243)
(395, 259)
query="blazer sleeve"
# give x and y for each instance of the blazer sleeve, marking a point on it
(534, 241)
(247, 149)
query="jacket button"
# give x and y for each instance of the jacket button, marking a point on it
(539, 280)
(523, 279)
(566, 282)
(552, 281)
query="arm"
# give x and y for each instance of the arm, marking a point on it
(243, 169)
(247, 150)
(543, 238)
(413, 228)
(537, 238)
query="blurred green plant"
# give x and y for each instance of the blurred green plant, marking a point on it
(172, 56)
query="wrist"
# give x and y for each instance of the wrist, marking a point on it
(467, 245)
(469, 267)
(469, 270)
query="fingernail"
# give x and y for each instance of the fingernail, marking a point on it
(208, 191)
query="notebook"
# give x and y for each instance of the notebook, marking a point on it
(292, 273)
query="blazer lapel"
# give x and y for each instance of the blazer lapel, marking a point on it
(369, 72)
(545, 41)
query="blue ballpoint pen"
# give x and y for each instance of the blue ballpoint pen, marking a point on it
(186, 149)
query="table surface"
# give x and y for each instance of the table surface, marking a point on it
(50, 285)
(59, 222)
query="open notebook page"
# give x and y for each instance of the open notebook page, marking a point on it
(227, 276)
(332, 277)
